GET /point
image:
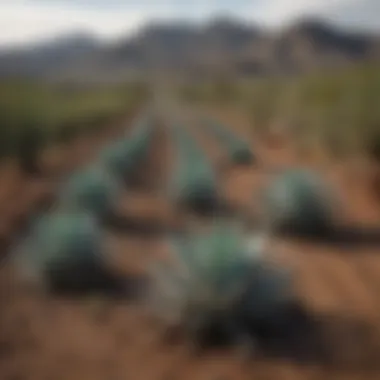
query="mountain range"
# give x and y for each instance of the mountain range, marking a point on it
(218, 47)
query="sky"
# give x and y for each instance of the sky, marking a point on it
(29, 21)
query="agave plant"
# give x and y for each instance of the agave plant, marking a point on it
(238, 150)
(195, 185)
(92, 189)
(194, 180)
(218, 276)
(298, 202)
(64, 252)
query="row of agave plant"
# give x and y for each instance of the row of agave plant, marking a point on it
(219, 277)
(64, 249)
(221, 280)
(194, 181)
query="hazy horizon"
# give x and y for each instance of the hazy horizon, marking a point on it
(25, 22)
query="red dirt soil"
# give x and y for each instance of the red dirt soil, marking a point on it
(42, 338)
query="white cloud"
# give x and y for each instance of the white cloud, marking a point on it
(22, 22)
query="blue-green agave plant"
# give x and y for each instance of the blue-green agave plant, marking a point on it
(299, 202)
(222, 272)
(63, 250)
(194, 181)
(123, 157)
(92, 189)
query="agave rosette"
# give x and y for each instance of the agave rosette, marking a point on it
(194, 178)
(218, 271)
(298, 200)
(92, 189)
(124, 156)
(61, 247)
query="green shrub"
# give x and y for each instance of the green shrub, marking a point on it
(33, 115)
(263, 103)
(338, 107)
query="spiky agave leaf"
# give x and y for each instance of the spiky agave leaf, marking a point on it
(63, 251)
(298, 202)
(92, 189)
(222, 264)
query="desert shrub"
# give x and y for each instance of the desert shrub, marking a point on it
(33, 115)
(337, 107)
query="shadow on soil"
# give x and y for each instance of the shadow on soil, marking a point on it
(140, 227)
(339, 236)
(225, 167)
(210, 207)
(150, 228)
(329, 341)
(98, 282)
